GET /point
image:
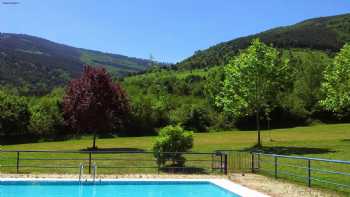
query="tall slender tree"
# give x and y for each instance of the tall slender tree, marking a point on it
(252, 81)
(94, 104)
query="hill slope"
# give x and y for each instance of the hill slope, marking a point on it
(37, 65)
(326, 33)
(188, 91)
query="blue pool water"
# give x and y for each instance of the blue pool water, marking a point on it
(114, 189)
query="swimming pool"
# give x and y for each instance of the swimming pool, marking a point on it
(120, 188)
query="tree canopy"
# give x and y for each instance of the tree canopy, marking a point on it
(14, 114)
(46, 115)
(336, 85)
(252, 81)
(94, 104)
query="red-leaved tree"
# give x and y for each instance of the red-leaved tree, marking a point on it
(94, 104)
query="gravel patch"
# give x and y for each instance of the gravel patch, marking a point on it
(277, 188)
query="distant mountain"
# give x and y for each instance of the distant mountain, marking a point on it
(36, 65)
(326, 33)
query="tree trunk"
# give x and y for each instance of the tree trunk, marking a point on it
(258, 127)
(94, 141)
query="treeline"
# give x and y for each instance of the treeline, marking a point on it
(24, 119)
(164, 97)
(187, 97)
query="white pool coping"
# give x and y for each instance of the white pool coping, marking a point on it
(223, 183)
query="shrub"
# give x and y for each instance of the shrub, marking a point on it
(174, 140)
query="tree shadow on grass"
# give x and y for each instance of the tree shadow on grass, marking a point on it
(183, 170)
(345, 140)
(106, 136)
(108, 150)
(288, 150)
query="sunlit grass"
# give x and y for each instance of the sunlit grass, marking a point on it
(333, 141)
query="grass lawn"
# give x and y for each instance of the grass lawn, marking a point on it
(335, 137)
(321, 141)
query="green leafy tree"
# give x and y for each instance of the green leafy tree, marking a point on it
(46, 114)
(171, 143)
(197, 119)
(213, 87)
(252, 82)
(14, 114)
(336, 85)
(194, 117)
(308, 67)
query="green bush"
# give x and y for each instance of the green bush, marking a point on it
(171, 143)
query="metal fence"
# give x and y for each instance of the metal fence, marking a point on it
(325, 173)
(238, 161)
(332, 174)
(111, 162)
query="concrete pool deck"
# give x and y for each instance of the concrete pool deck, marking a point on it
(259, 185)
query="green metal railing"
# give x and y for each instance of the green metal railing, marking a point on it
(333, 174)
(326, 173)
(109, 162)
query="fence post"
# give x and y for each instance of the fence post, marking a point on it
(212, 162)
(309, 172)
(225, 163)
(253, 170)
(158, 161)
(221, 168)
(17, 163)
(90, 162)
(276, 165)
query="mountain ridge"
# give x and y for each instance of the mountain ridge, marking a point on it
(37, 63)
(327, 33)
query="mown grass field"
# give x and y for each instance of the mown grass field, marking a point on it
(335, 138)
(321, 141)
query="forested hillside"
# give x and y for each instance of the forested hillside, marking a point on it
(35, 65)
(328, 34)
(187, 97)
(186, 94)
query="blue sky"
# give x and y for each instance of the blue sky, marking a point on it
(170, 30)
